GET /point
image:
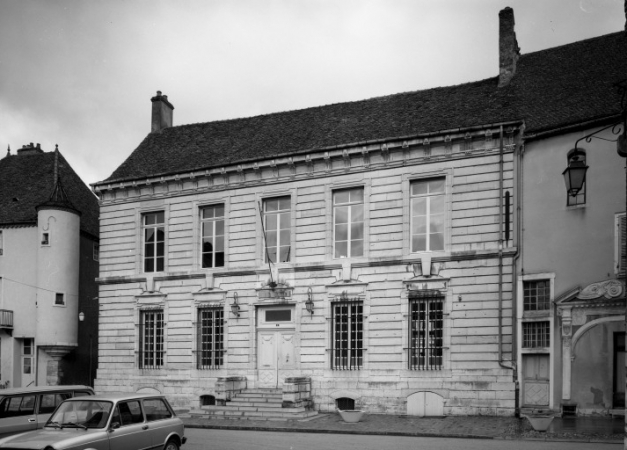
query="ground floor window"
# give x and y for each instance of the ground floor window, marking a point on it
(426, 324)
(347, 335)
(210, 352)
(151, 345)
(536, 334)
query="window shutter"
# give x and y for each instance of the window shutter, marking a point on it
(621, 232)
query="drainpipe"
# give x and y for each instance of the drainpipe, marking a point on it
(501, 169)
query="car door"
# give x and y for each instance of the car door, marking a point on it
(132, 432)
(160, 420)
(17, 414)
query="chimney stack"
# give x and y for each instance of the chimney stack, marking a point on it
(161, 112)
(509, 52)
(30, 149)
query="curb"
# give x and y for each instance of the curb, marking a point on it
(392, 433)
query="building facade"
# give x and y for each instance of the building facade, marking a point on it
(48, 265)
(372, 247)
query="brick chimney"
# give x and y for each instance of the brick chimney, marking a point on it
(29, 149)
(509, 52)
(161, 112)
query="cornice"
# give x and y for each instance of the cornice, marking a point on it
(426, 149)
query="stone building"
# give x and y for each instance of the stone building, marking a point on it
(366, 249)
(48, 265)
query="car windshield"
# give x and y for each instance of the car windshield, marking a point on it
(82, 413)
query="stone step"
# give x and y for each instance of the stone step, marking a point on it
(256, 400)
(295, 410)
(240, 403)
(257, 419)
(251, 415)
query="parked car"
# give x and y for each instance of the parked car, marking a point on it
(106, 422)
(24, 409)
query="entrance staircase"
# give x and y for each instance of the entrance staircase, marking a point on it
(254, 404)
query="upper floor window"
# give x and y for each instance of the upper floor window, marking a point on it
(536, 334)
(96, 252)
(1, 245)
(153, 225)
(428, 213)
(212, 247)
(59, 299)
(536, 295)
(348, 223)
(277, 225)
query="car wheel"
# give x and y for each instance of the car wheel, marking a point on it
(171, 445)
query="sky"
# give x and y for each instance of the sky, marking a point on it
(80, 73)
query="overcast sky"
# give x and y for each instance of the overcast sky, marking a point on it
(80, 74)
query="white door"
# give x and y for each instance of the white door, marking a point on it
(275, 357)
(28, 363)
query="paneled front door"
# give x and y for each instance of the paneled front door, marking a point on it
(275, 356)
(536, 390)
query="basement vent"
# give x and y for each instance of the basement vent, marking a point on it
(345, 403)
(207, 400)
(569, 410)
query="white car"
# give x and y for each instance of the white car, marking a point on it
(106, 422)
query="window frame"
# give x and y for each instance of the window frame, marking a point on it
(260, 239)
(213, 221)
(336, 362)
(407, 180)
(158, 356)
(60, 295)
(330, 188)
(142, 240)
(412, 217)
(546, 300)
(199, 338)
(265, 230)
(426, 297)
(96, 251)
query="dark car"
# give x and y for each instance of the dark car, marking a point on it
(25, 409)
(106, 422)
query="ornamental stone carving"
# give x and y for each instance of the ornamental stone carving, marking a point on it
(608, 289)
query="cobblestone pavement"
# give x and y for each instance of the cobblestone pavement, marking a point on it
(601, 430)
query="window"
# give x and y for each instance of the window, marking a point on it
(156, 409)
(345, 403)
(536, 334)
(27, 356)
(129, 413)
(45, 239)
(48, 402)
(348, 223)
(536, 295)
(426, 330)
(347, 340)
(619, 245)
(154, 241)
(277, 226)
(428, 202)
(21, 405)
(151, 343)
(96, 252)
(212, 229)
(59, 299)
(210, 338)
(1, 244)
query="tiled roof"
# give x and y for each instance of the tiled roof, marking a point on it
(28, 181)
(552, 88)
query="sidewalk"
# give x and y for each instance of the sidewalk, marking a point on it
(581, 429)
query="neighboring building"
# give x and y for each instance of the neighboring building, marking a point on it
(571, 267)
(370, 246)
(48, 266)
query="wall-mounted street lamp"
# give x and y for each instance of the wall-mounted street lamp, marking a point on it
(309, 304)
(81, 316)
(235, 305)
(575, 173)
